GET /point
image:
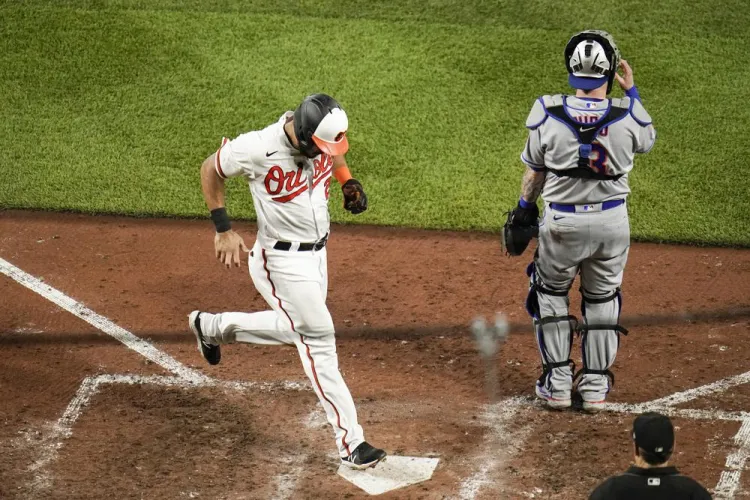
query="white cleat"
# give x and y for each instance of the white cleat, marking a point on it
(553, 402)
(594, 406)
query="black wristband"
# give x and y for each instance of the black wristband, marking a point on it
(221, 220)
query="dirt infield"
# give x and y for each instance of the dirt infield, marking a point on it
(400, 300)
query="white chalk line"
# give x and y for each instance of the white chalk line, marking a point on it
(161, 380)
(690, 413)
(100, 322)
(729, 481)
(703, 390)
(286, 482)
(51, 442)
(499, 447)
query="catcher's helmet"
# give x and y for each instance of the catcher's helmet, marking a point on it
(320, 126)
(592, 57)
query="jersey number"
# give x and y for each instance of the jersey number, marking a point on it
(598, 158)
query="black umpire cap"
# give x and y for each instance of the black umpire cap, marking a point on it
(654, 434)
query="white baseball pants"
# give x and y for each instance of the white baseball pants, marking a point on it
(295, 286)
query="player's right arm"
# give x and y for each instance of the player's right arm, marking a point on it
(228, 245)
(533, 157)
(212, 184)
(532, 184)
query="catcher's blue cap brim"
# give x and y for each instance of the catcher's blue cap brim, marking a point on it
(584, 83)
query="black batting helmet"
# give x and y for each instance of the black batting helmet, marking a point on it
(320, 126)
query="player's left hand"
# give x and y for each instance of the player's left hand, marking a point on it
(355, 199)
(522, 225)
(626, 79)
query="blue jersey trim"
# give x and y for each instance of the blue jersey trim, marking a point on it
(533, 166)
(642, 124)
(639, 122)
(652, 144)
(532, 127)
(575, 132)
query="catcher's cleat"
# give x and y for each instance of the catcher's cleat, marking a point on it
(363, 457)
(556, 402)
(593, 406)
(210, 352)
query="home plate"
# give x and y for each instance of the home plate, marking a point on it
(395, 472)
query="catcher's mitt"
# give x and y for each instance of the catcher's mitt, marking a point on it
(355, 199)
(521, 226)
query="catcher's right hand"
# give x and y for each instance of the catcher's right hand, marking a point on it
(355, 199)
(521, 226)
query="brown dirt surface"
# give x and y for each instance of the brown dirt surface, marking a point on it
(401, 300)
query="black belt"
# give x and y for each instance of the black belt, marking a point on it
(303, 247)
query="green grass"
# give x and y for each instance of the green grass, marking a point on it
(111, 106)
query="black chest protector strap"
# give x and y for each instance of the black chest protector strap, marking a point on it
(586, 134)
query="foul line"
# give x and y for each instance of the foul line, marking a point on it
(100, 322)
(703, 390)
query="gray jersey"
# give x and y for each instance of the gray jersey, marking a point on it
(552, 145)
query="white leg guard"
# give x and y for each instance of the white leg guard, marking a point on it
(554, 329)
(600, 338)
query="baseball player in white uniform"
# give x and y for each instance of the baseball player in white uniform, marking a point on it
(289, 166)
(578, 155)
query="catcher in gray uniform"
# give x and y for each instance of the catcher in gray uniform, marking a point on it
(578, 155)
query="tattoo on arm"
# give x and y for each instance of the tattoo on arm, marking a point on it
(532, 184)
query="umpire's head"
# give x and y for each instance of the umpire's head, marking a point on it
(653, 436)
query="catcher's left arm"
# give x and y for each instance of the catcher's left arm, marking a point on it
(523, 221)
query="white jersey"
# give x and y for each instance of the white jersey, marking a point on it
(290, 191)
(552, 145)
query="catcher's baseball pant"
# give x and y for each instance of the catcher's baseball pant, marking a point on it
(594, 242)
(295, 285)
